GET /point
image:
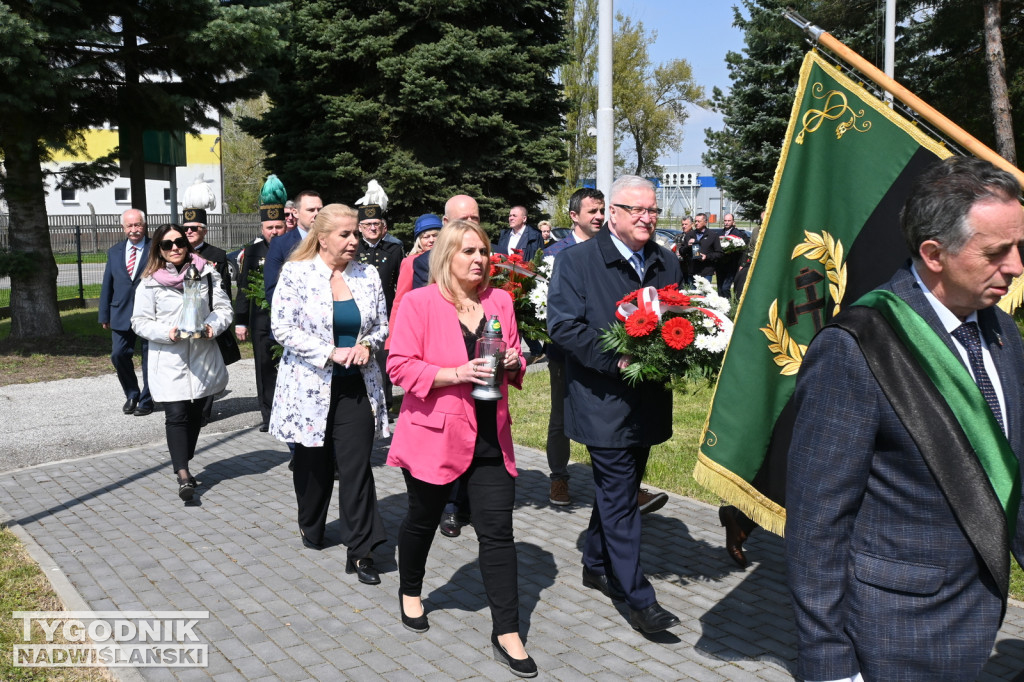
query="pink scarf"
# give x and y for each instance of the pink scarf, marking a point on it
(169, 278)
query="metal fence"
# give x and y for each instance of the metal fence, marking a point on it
(95, 233)
(80, 244)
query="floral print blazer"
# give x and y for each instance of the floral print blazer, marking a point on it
(302, 320)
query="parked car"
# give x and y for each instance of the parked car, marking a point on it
(667, 237)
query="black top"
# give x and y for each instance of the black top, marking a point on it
(487, 444)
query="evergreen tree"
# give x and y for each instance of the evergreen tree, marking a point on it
(743, 155)
(945, 65)
(71, 64)
(430, 98)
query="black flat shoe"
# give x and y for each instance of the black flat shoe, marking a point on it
(603, 584)
(520, 667)
(418, 624)
(130, 405)
(143, 411)
(309, 544)
(364, 570)
(186, 489)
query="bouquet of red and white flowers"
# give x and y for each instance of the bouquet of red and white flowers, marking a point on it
(669, 333)
(527, 283)
(731, 243)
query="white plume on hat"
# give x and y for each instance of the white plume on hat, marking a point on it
(374, 195)
(199, 195)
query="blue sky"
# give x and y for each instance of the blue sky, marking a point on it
(701, 32)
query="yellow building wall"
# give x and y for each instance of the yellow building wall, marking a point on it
(99, 142)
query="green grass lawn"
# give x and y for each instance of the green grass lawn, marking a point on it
(671, 464)
(23, 587)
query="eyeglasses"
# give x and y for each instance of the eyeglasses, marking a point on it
(370, 223)
(637, 211)
(167, 244)
(194, 228)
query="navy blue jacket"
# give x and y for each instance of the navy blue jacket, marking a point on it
(885, 577)
(530, 243)
(280, 248)
(117, 293)
(601, 409)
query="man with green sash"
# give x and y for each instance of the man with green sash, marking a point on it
(903, 488)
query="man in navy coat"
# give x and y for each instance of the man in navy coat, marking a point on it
(125, 262)
(307, 205)
(518, 235)
(903, 487)
(617, 422)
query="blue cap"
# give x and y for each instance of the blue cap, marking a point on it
(427, 221)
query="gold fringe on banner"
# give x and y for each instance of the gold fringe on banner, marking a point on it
(740, 494)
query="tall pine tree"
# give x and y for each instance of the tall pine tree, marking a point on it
(430, 98)
(68, 65)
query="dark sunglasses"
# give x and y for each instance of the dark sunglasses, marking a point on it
(180, 242)
(193, 228)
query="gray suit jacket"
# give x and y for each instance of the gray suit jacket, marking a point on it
(888, 547)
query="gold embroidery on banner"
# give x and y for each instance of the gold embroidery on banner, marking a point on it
(829, 252)
(788, 353)
(834, 107)
(711, 438)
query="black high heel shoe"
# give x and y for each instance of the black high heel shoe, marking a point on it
(520, 667)
(418, 624)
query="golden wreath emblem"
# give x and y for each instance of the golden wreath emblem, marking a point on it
(273, 213)
(827, 250)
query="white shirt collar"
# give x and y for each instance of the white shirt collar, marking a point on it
(946, 317)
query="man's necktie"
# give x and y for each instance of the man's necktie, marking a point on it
(638, 264)
(131, 261)
(967, 335)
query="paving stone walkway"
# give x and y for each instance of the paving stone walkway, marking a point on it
(111, 533)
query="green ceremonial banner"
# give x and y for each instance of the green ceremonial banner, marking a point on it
(831, 234)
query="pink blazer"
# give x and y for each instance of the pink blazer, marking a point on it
(436, 431)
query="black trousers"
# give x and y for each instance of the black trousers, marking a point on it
(558, 443)
(492, 494)
(266, 365)
(350, 430)
(122, 350)
(182, 420)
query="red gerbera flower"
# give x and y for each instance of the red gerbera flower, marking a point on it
(641, 323)
(673, 297)
(677, 332)
(516, 258)
(494, 271)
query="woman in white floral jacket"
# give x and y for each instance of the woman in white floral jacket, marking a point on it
(330, 316)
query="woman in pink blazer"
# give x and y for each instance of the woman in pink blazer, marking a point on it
(443, 433)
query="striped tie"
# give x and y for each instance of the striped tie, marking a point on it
(967, 334)
(131, 261)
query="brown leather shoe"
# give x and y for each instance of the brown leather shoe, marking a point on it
(649, 502)
(559, 494)
(734, 535)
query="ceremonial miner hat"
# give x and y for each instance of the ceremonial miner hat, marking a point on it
(370, 212)
(272, 200)
(197, 200)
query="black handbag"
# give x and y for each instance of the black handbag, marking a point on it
(226, 340)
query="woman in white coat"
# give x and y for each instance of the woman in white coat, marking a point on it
(182, 371)
(330, 317)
